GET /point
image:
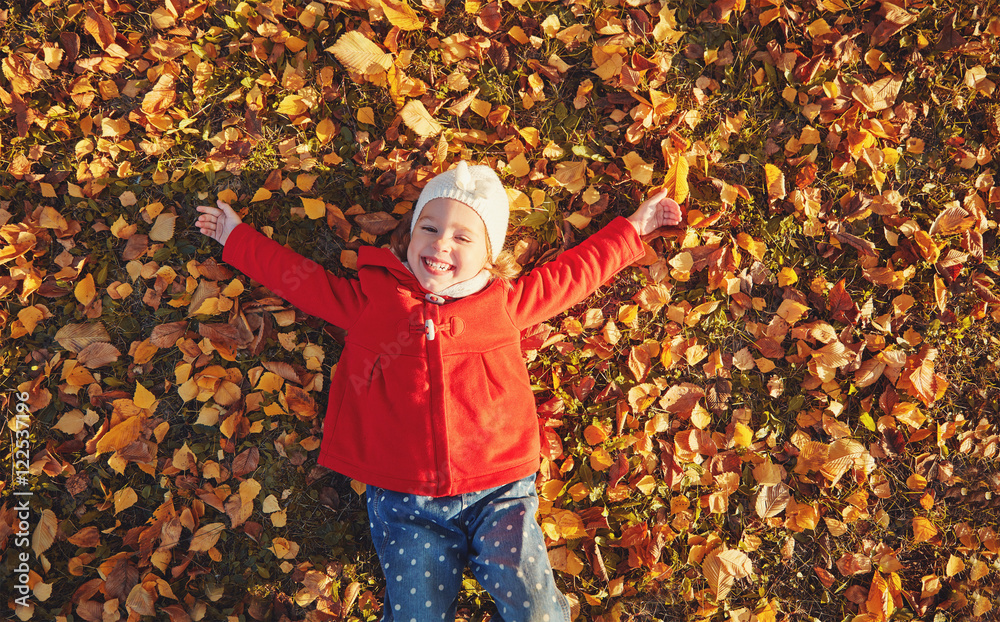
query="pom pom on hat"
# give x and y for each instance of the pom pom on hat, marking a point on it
(478, 187)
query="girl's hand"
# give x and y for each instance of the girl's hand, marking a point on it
(217, 222)
(655, 212)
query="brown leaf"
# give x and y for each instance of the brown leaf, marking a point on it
(682, 398)
(854, 563)
(896, 19)
(167, 335)
(163, 228)
(246, 461)
(489, 17)
(76, 337)
(225, 335)
(88, 537)
(98, 354)
(167, 49)
(90, 610)
(140, 600)
(122, 578)
(377, 223)
(952, 220)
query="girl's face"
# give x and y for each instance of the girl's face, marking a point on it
(447, 245)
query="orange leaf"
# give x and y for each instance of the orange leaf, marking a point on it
(880, 603)
(85, 290)
(124, 499)
(100, 28)
(121, 435)
(923, 529)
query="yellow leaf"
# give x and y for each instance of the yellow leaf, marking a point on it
(640, 170)
(315, 208)
(750, 245)
(45, 532)
(294, 44)
(292, 106)
(73, 421)
(262, 194)
(401, 15)
(676, 181)
(880, 602)
(775, 181)
(742, 435)
(325, 130)
(366, 115)
(85, 290)
(163, 228)
(183, 458)
(360, 55)
(791, 311)
(206, 537)
(787, 276)
(304, 182)
(955, 566)
(284, 549)
(519, 166)
(143, 398)
(227, 195)
(416, 117)
(125, 499)
(571, 175)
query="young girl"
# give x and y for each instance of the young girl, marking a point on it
(430, 404)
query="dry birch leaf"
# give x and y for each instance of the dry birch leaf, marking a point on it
(416, 117)
(360, 55)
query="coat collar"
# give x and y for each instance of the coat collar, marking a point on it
(370, 256)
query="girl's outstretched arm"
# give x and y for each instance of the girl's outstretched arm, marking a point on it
(217, 222)
(655, 212)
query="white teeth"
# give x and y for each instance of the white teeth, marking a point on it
(436, 265)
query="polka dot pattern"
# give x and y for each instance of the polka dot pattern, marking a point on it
(490, 532)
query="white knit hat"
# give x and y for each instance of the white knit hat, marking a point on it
(478, 187)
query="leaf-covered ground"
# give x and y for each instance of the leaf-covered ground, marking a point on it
(787, 412)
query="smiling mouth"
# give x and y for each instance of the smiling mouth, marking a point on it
(438, 267)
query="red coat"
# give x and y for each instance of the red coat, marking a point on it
(427, 398)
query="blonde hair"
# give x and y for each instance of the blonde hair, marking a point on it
(505, 268)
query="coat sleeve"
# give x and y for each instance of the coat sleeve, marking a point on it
(575, 274)
(300, 281)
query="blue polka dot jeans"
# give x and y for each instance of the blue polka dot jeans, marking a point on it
(425, 543)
